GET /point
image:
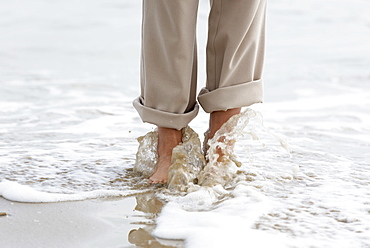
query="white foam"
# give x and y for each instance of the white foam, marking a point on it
(230, 224)
(20, 193)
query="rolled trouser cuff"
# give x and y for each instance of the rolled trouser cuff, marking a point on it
(236, 96)
(162, 118)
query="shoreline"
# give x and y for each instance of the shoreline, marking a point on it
(111, 222)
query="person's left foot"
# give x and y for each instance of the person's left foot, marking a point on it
(217, 119)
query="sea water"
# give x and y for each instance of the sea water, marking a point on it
(300, 177)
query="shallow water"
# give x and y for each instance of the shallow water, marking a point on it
(67, 125)
(186, 163)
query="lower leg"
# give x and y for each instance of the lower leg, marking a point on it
(168, 139)
(218, 118)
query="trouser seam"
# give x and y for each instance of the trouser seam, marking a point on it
(142, 46)
(214, 42)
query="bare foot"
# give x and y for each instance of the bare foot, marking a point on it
(168, 139)
(217, 119)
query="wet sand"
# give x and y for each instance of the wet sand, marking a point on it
(115, 222)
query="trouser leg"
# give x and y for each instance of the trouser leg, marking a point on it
(235, 53)
(169, 63)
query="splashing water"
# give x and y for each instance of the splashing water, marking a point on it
(187, 159)
(187, 162)
(146, 156)
(222, 163)
(190, 168)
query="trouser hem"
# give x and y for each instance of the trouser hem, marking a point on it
(162, 118)
(236, 96)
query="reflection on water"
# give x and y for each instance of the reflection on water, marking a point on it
(142, 237)
(149, 203)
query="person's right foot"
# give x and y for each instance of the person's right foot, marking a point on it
(168, 139)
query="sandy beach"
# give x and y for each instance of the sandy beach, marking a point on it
(90, 223)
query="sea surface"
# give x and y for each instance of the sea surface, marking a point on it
(69, 71)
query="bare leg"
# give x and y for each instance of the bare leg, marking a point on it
(217, 119)
(168, 138)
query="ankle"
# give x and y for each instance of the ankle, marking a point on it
(168, 138)
(218, 118)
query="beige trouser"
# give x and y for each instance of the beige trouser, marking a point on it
(235, 53)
